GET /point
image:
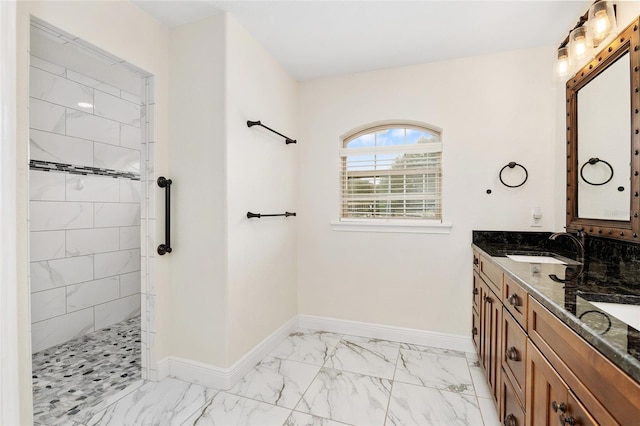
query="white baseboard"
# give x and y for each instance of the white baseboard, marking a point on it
(225, 378)
(219, 377)
(387, 332)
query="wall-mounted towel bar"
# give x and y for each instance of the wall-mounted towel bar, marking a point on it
(166, 184)
(287, 140)
(259, 215)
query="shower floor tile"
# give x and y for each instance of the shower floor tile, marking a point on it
(72, 380)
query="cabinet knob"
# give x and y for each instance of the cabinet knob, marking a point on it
(555, 407)
(512, 354)
(476, 260)
(475, 291)
(569, 420)
(510, 420)
(487, 299)
(514, 300)
(474, 331)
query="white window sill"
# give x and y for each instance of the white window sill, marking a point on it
(399, 226)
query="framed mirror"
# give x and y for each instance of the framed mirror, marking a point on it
(603, 142)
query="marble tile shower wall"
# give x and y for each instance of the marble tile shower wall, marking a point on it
(85, 230)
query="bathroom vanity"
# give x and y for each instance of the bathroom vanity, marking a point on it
(554, 336)
(558, 334)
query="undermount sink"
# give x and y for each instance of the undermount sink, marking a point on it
(629, 314)
(535, 259)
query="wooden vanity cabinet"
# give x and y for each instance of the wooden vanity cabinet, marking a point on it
(539, 370)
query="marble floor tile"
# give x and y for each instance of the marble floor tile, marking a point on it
(418, 405)
(370, 340)
(477, 376)
(347, 397)
(489, 411)
(434, 370)
(373, 359)
(168, 402)
(313, 378)
(227, 409)
(432, 350)
(308, 346)
(302, 419)
(277, 381)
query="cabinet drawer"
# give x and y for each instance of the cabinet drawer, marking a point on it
(607, 392)
(514, 350)
(511, 411)
(476, 292)
(515, 300)
(476, 261)
(475, 330)
(492, 274)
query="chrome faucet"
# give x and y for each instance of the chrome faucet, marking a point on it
(579, 244)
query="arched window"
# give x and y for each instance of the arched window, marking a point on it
(392, 171)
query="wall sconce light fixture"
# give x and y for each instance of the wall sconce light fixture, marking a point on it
(598, 23)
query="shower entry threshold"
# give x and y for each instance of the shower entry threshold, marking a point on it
(74, 380)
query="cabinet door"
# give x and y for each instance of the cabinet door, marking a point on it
(511, 412)
(546, 392)
(491, 322)
(577, 414)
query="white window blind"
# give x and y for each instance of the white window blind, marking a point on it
(392, 172)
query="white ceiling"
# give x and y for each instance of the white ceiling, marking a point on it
(314, 39)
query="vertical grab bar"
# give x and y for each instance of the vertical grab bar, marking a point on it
(166, 184)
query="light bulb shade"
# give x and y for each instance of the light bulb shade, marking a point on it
(578, 48)
(562, 64)
(601, 23)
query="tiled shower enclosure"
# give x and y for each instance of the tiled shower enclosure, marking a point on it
(92, 189)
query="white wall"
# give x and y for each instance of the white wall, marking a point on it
(126, 32)
(198, 168)
(234, 278)
(261, 178)
(493, 109)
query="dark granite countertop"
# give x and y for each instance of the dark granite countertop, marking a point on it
(588, 298)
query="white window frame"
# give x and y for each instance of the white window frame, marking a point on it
(394, 225)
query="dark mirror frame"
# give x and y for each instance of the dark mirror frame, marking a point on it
(627, 41)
